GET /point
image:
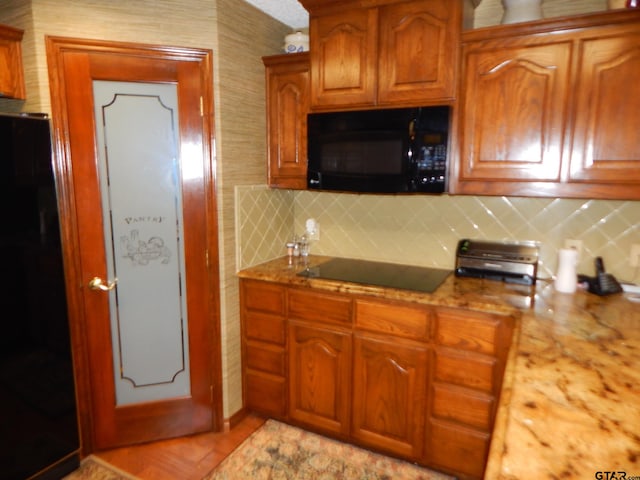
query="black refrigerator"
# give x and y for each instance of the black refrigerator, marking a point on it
(38, 420)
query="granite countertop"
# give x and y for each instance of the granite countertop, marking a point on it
(570, 402)
(473, 294)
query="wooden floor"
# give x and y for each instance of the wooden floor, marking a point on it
(185, 458)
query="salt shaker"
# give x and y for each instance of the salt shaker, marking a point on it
(296, 246)
(290, 248)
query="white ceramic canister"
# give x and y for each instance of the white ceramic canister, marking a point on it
(521, 10)
(296, 42)
(566, 278)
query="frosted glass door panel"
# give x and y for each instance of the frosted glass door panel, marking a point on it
(140, 183)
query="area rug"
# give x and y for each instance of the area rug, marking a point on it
(93, 468)
(277, 452)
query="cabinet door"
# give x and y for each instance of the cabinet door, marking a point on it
(513, 109)
(11, 75)
(343, 49)
(607, 115)
(418, 51)
(319, 377)
(287, 78)
(389, 389)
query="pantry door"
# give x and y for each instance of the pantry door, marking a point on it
(132, 133)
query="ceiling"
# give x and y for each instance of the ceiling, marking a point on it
(289, 12)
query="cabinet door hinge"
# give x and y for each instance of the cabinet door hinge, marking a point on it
(201, 107)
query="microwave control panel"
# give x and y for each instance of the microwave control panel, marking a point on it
(431, 162)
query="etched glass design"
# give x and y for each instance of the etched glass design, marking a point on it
(140, 187)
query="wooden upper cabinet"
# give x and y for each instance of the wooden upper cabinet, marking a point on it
(607, 109)
(513, 108)
(264, 338)
(287, 79)
(343, 49)
(388, 53)
(11, 74)
(419, 43)
(551, 115)
(421, 382)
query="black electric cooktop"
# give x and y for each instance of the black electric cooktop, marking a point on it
(405, 277)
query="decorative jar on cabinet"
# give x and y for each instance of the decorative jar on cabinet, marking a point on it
(521, 10)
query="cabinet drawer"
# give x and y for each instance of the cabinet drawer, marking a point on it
(467, 370)
(265, 394)
(457, 449)
(265, 358)
(394, 319)
(320, 307)
(264, 327)
(467, 330)
(263, 297)
(465, 406)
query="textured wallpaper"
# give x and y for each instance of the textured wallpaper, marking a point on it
(245, 35)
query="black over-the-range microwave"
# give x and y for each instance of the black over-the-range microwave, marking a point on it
(400, 150)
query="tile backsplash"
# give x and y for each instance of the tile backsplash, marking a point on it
(264, 223)
(424, 230)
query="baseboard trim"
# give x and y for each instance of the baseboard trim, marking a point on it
(235, 419)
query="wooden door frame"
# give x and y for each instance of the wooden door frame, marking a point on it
(56, 47)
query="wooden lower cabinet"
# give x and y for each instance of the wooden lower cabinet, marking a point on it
(454, 448)
(319, 377)
(468, 359)
(263, 348)
(389, 387)
(415, 381)
(468, 407)
(264, 393)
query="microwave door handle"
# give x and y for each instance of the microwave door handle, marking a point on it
(412, 140)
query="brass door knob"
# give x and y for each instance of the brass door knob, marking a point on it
(96, 283)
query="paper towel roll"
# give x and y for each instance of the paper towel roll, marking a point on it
(566, 279)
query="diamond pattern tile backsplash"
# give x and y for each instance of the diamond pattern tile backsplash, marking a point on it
(264, 223)
(424, 230)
